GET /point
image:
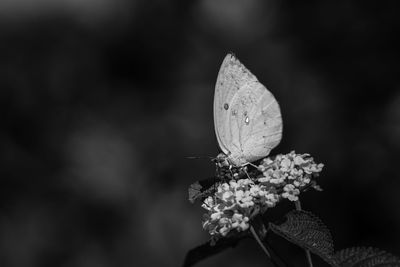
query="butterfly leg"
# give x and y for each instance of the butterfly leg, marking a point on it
(230, 169)
(251, 164)
(244, 168)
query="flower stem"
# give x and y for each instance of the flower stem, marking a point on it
(308, 255)
(259, 242)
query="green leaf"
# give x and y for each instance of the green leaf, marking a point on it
(366, 257)
(201, 189)
(307, 231)
(194, 191)
(210, 248)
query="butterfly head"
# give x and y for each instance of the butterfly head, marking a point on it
(222, 160)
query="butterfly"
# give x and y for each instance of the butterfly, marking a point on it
(247, 118)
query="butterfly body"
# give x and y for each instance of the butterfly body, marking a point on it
(247, 117)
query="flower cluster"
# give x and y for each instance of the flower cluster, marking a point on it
(291, 172)
(234, 204)
(237, 201)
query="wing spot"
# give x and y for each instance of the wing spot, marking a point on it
(247, 120)
(226, 106)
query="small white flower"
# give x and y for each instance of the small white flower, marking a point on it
(271, 199)
(237, 217)
(216, 216)
(288, 188)
(296, 172)
(264, 179)
(239, 195)
(298, 160)
(224, 230)
(226, 195)
(261, 168)
(286, 164)
(243, 225)
(278, 180)
(223, 187)
(208, 203)
(289, 196)
(291, 192)
(255, 190)
(233, 184)
(266, 161)
(223, 221)
(244, 182)
(313, 168)
(246, 204)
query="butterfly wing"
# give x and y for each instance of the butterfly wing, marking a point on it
(262, 129)
(247, 117)
(226, 88)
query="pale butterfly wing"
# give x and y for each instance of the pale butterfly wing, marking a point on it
(247, 118)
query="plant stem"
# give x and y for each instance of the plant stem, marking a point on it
(259, 242)
(309, 260)
(297, 204)
(308, 255)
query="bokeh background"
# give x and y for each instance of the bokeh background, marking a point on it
(101, 101)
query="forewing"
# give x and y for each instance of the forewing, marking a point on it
(231, 77)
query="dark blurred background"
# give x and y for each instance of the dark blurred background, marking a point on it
(103, 100)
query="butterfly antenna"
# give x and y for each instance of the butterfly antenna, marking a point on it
(197, 157)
